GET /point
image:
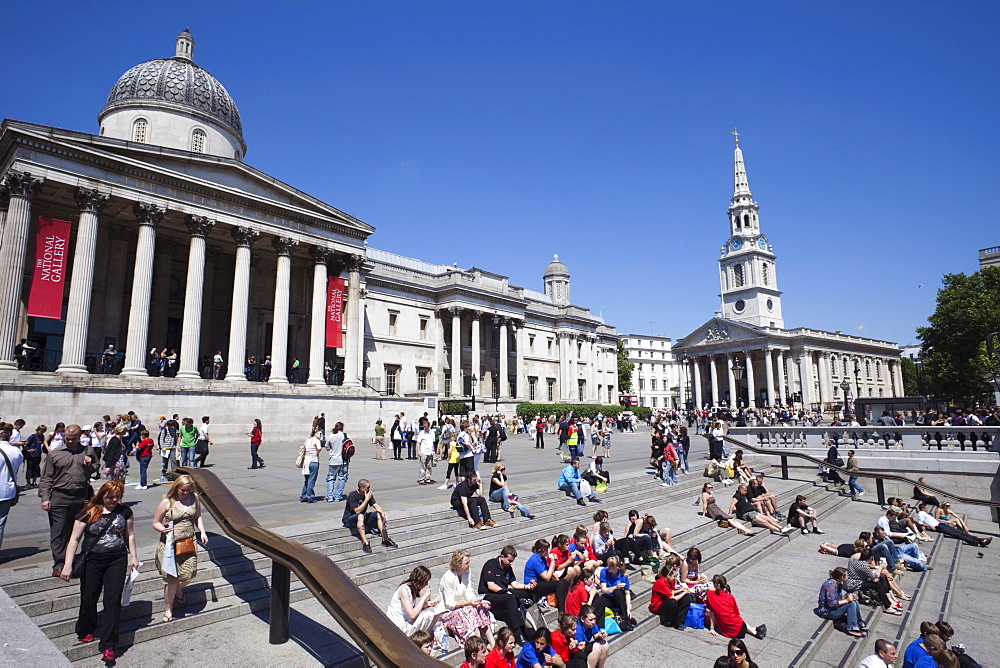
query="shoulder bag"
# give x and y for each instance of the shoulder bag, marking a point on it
(80, 560)
(184, 546)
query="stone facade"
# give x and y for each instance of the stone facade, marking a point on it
(655, 377)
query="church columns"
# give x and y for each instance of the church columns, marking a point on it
(199, 227)
(279, 327)
(21, 189)
(789, 363)
(782, 390)
(115, 284)
(353, 351)
(503, 383)
(477, 369)
(456, 351)
(317, 323)
(244, 238)
(825, 388)
(769, 372)
(751, 386)
(714, 371)
(733, 397)
(81, 284)
(148, 216)
(807, 381)
(696, 373)
(563, 338)
(897, 378)
(437, 384)
(522, 376)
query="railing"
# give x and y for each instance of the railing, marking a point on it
(368, 626)
(879, 477)
(910, 437)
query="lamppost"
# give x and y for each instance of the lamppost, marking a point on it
(857, 384)
(738, 370)
(845, 387)
(918, 364)
(474, 381)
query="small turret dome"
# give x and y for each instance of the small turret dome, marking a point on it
(556, 268)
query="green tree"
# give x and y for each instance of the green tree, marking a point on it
(956, 365)
(911, 385)
(624, 369)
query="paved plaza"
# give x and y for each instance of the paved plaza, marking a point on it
(775, 580)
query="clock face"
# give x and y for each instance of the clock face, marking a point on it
(736, 244)
(762, 243)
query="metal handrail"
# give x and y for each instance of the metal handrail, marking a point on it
(879, 477)
(384, 643)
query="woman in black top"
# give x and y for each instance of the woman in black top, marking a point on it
(114, 455)
(107, 529)
(739, 655)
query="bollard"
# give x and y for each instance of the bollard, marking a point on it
(784, 467)
(881, 491)
(281, 586)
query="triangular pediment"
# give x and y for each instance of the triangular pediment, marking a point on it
(721, 331)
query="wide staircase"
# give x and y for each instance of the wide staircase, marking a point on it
(234, 580)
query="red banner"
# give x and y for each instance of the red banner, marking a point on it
(334, 312)
(45, 299)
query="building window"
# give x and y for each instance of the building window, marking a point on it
(551, 389)
(833, 366)
(878, 370)
(198, 141)
(663, 356)
(532, 388)
(642, 401)
(447, 386)
(511, 387)
(767, 273)
(422, 375)
(653, 402)
(582, 389)
(640, 366)
(139, 130)
(531, 342)
(845, 366)
(664, 368)
(391, 379)
(652, 385)
(549, 346)
(423, 328)
(393, 316)
(738, 279)
(868, 369)
(642, 383)
(495, 385)
(611, 395)
(236, 154)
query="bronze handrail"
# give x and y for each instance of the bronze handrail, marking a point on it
(879, 477)
(384, 643)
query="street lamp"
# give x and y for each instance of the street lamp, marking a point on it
(738, 370)
(474, 381)
(845, 387)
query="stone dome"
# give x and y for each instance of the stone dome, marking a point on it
(177, 84)
(556, 268)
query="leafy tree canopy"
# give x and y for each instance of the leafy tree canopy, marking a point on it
(624, 369)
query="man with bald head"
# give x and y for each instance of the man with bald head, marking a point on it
(64, 489)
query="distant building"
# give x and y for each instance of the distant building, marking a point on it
(989, 257)
(655, 380)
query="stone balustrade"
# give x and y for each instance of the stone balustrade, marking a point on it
(871, 437)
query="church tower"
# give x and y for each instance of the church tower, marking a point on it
(747, 269)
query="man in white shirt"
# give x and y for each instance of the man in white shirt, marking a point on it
(10, 462)
(925, 518)
(884, 656)
(425, 450)
(201, 446)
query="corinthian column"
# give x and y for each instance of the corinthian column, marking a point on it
(751, 386)
(199, 227)
(713, 369)
(279, 329)
(503, 384)
(353, 354)
(317, 330)
(148, 216)
(477, 370)
(21, 189)
(244, 238)
(456, 350)
(81, 284)
(769, 371)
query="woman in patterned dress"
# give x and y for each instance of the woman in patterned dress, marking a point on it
(179, 510)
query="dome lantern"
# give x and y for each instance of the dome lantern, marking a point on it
(185, 46)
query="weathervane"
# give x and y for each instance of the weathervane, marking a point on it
(737, 135)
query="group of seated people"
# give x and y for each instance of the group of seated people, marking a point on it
(753, 505)
(584, 577)
(469, 500)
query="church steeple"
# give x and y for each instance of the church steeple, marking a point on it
(747, 269)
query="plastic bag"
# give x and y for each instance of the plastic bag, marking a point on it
(168, 563)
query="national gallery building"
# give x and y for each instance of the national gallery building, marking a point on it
(177, 253)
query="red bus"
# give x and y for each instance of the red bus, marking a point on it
(628, 400)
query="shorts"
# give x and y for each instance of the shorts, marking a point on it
(749, 517)
(371, 522)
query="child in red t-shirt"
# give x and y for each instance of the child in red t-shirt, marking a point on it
(143, 453)
(475, 652)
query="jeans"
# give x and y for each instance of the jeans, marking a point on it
(850, 610)
(684, 458)
(336, 478)
(310, 482)
(256, 461)
(855, 487)
(500, 496)
(4, 510)
(143, 465)
(670, 472)
(187, 456)
(574, 489)
(169, 458)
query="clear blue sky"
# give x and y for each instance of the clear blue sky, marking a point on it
(495, 134)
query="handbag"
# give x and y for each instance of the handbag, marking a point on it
(695, 616)
(10, 472)
(184, 547)
(201, 447)
(80, 560)
(300, 459)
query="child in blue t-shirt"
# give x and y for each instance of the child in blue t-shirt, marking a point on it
(589, 633)
(616, 587)
(537, 653)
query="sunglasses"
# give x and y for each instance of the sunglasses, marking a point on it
(737, 651)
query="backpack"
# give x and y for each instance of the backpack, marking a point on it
(347, 450)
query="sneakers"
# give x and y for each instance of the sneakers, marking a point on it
(806, 532)
(787, 530)
(664, 484)
(141, 487)
(366, 548)
(444, 486)
(388, 542)
(818, 531)
(860, 494)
